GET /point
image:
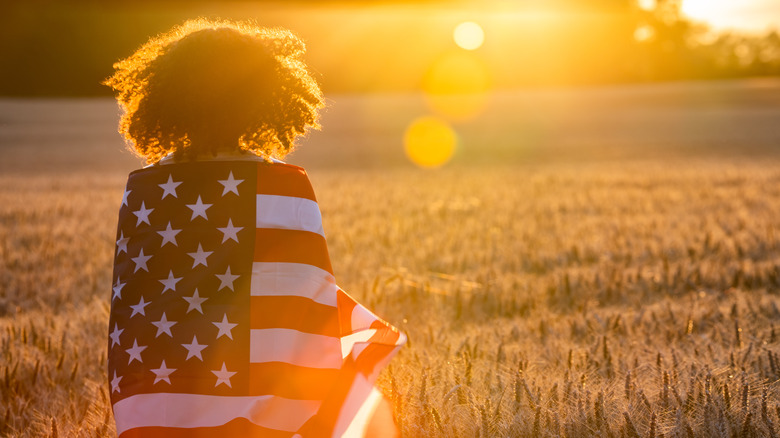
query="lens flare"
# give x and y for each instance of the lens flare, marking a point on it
(429, 142)
(457, 84)
(469, 35)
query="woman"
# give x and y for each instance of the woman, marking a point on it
(225, 315)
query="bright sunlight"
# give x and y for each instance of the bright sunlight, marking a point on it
(469, 35)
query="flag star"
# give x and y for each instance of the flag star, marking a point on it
(124, 199)
(140, 261)
(195, 301)
(224, 327)
(223, 376)
(163, 373)
(115, 383)
(231, 184)
(163, 326)
(169, 235)
(118, 290)
(230, 232)
(139, 308)
(143, 214)
(199, 257)
(135, 352)
(121, 244)
(170, 282)
(226, 279)
(116, 333)
(199, 209)
(169, 188)
(194, 349)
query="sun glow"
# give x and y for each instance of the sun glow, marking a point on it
(457, 85)
(750, 16)
(429, 142)
(469, 35)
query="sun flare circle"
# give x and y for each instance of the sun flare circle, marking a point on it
(429, 142)
(468, 35)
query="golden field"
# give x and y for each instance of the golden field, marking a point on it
(590, 293)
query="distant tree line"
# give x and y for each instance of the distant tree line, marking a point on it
(56, 48)
(671, 47)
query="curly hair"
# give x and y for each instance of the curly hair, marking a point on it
(211, 85)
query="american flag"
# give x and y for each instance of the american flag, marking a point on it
(225, 316)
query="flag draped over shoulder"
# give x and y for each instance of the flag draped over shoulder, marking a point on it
(225, 316)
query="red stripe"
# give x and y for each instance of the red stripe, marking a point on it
(238, 428)
(274, 245)
(283, 180)
(322, 424)
(291, 312)
(373, 356)
(346, 305)
(291, 381)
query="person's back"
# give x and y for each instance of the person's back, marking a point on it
(225, 315)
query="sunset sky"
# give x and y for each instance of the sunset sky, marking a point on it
(753, 16)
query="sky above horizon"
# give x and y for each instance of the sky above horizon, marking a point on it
(752, 16)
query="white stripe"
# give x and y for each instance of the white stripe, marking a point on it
(357, 410)
(289, 213)
(293, 279)
(348, 342)
(359, 424)
(362, 318)
(194, 410)
(294, 347)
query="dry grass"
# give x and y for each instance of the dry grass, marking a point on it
(626, 299)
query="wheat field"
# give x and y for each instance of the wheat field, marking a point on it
(605, 298)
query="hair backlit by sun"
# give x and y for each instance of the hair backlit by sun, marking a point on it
(468, 35)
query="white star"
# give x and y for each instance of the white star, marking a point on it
(163, 373)
(169, 235)
(224, 327)
(231, 185)
(139, 308)
(143, 214)
(199, 209)
(116, 333)
(135, 352)
(223, 376)
(140, 261)
(169, 188)
(194, 349)
(230, 232)
(124, 199)
(226, 279)
(115, 383)
(170, 282)
(199, 257)
(118, 290)
(163, 326)
(121, 244)
(195, 301)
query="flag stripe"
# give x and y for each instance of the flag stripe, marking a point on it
(310, 316)
(290, 381)
(291, 246)
(360, 403)
(289, 213)
(293, 279)
(238, 428)
(283, 180)
(348, 342)
(294, 347)
(194, 410)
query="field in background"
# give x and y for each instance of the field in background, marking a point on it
(593, 263)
